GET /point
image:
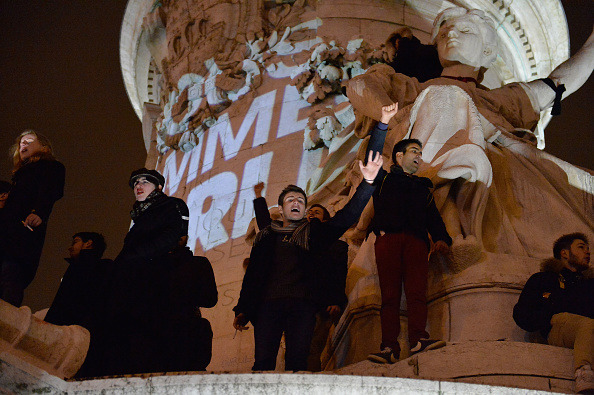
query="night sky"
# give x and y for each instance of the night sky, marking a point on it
(60, 75)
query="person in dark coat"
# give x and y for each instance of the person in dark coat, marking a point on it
(38, 182)
(83, 286)
(335, 258)
(82, 292)
(282, 288)
(135, 306)
(191, 285)
(559, 302)
(404, 213)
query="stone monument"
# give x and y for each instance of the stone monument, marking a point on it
(234, 92)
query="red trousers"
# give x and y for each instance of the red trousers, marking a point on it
(402, 259)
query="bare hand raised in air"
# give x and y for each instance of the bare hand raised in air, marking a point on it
(388, 112)
(370, 170)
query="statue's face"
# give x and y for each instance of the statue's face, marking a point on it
(459, 41)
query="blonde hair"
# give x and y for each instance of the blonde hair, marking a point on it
(47, 153)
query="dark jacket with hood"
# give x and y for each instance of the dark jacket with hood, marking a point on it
(402, 202)
(321, 236)
(36, 187)
(555, 289)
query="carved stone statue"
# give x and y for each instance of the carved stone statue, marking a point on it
(456, 118)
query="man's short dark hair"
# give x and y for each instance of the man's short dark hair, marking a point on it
(291, 188)
(564, 243)
(324, 210)
(402, 146)
(5, 186)
(98, 240)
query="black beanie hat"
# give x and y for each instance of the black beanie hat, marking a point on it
(151, 175)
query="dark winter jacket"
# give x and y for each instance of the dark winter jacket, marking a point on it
(138, 300)
(141, 269)
(403, 202)
(154, 233)
(334, 259)
(82, 291)
(335, 281)
(191, 282)
(188, 336)
(555, 289)
(321, 236)
(36, 187)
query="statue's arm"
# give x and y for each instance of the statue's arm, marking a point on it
(572, 73)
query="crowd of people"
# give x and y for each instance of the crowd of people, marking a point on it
(295, 278)
(294, 284)
(142, 309)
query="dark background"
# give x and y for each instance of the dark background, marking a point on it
(60, 75)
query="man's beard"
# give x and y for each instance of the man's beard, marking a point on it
(576, 264)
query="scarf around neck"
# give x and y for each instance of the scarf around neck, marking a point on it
(140, 207)
(299, 231)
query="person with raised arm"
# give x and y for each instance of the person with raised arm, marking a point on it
(282, 286)
(404, 213)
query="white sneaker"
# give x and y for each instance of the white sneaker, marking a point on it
(584, 380)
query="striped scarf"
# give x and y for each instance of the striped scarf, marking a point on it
(299, 231)
(140, 207)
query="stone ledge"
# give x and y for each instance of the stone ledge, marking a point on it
(461, 368)
(511, 364)
(20, 377)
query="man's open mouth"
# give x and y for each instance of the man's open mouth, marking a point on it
(294, 210)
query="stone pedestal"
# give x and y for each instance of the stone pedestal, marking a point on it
(511, 364)
(477, 303)
(474, 304)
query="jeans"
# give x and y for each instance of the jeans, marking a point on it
(296, 318)
(402, 259)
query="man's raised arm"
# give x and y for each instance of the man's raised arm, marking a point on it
(261, 207)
